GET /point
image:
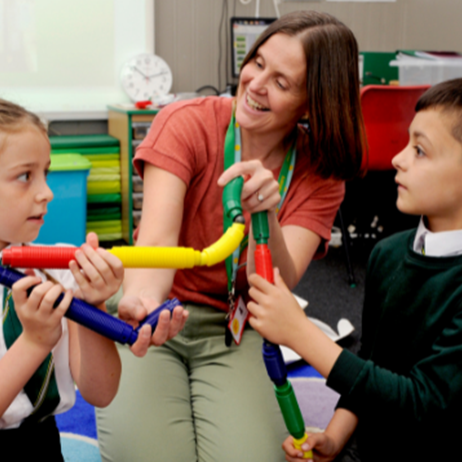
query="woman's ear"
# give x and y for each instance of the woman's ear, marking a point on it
(305, 122)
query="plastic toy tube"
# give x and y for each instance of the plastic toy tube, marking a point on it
(272, 355)
(94, 319)
(42, 257)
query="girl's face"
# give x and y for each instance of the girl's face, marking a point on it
(272, 87)
(24, 193)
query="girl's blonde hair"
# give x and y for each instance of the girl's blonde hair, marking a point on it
(13, 118)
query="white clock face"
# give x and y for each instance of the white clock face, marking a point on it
(146, 77)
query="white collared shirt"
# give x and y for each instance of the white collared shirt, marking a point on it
(442, 244)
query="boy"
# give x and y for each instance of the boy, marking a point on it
(401, 397)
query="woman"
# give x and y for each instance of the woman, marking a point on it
(197, 398)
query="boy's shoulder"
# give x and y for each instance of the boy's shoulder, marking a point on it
(390, 251)
(395, 242)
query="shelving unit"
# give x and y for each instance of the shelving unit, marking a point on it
(129, 126)
(103, 185)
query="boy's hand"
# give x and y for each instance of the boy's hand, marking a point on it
(98, 273)
(40, 321)
(133, 309)
(275, 314)
(323, 447)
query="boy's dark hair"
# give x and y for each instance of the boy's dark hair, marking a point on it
(337, 137)
(447, 97)
(13, 118)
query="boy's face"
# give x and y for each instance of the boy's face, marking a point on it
(429, 171)
(24, 194)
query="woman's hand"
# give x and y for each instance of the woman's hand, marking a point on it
(133, 309)
(40, 321)
(323, 447)
(261, 189)
(98, 273)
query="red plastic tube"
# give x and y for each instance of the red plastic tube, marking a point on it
(263, 262)
(39, 257)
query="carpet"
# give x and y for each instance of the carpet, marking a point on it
(77, 428)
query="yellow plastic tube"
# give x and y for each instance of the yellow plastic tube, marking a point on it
(157, 257)
(298, 445)
(181, 257)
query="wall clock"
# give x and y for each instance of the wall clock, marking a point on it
(146, 77)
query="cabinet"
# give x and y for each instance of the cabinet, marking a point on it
(129, 126)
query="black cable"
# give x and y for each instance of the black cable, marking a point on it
(208, 87)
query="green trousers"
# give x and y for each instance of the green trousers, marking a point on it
(194, 399)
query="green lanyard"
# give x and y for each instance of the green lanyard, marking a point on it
(232, 156)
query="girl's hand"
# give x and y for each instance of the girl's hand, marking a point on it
(40, 321)
(261, 189)
(133, 309)
(275, 314)
(323, 447)
(98, 273)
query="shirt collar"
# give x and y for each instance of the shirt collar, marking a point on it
(442, 244)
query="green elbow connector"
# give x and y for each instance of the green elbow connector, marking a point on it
(232, 199)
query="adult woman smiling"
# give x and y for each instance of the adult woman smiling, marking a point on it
(196, 398)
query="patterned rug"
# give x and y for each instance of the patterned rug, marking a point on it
(77, 427)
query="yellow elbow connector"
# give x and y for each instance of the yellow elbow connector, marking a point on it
(225, 246)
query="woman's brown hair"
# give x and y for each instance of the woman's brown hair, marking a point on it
(336, 136)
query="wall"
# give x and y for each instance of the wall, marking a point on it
(187, 31)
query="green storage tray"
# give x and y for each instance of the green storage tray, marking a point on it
(82, 141)
(102, 157)
(67, 162)
(110, 150)
(104, 198)
(104, 237)
(104, 217)
(103, 187)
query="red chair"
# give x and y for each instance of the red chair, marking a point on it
(388, 112)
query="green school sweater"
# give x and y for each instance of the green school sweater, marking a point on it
(405, 385)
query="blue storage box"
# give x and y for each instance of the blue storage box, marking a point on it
(66, 219)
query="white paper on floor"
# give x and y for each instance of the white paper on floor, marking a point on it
(344, 329)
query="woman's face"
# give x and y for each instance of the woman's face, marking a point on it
(272, 95)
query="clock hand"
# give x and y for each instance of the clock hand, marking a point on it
(136, 69)
(158, 74)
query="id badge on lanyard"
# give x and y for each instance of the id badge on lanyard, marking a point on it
(237, 312)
